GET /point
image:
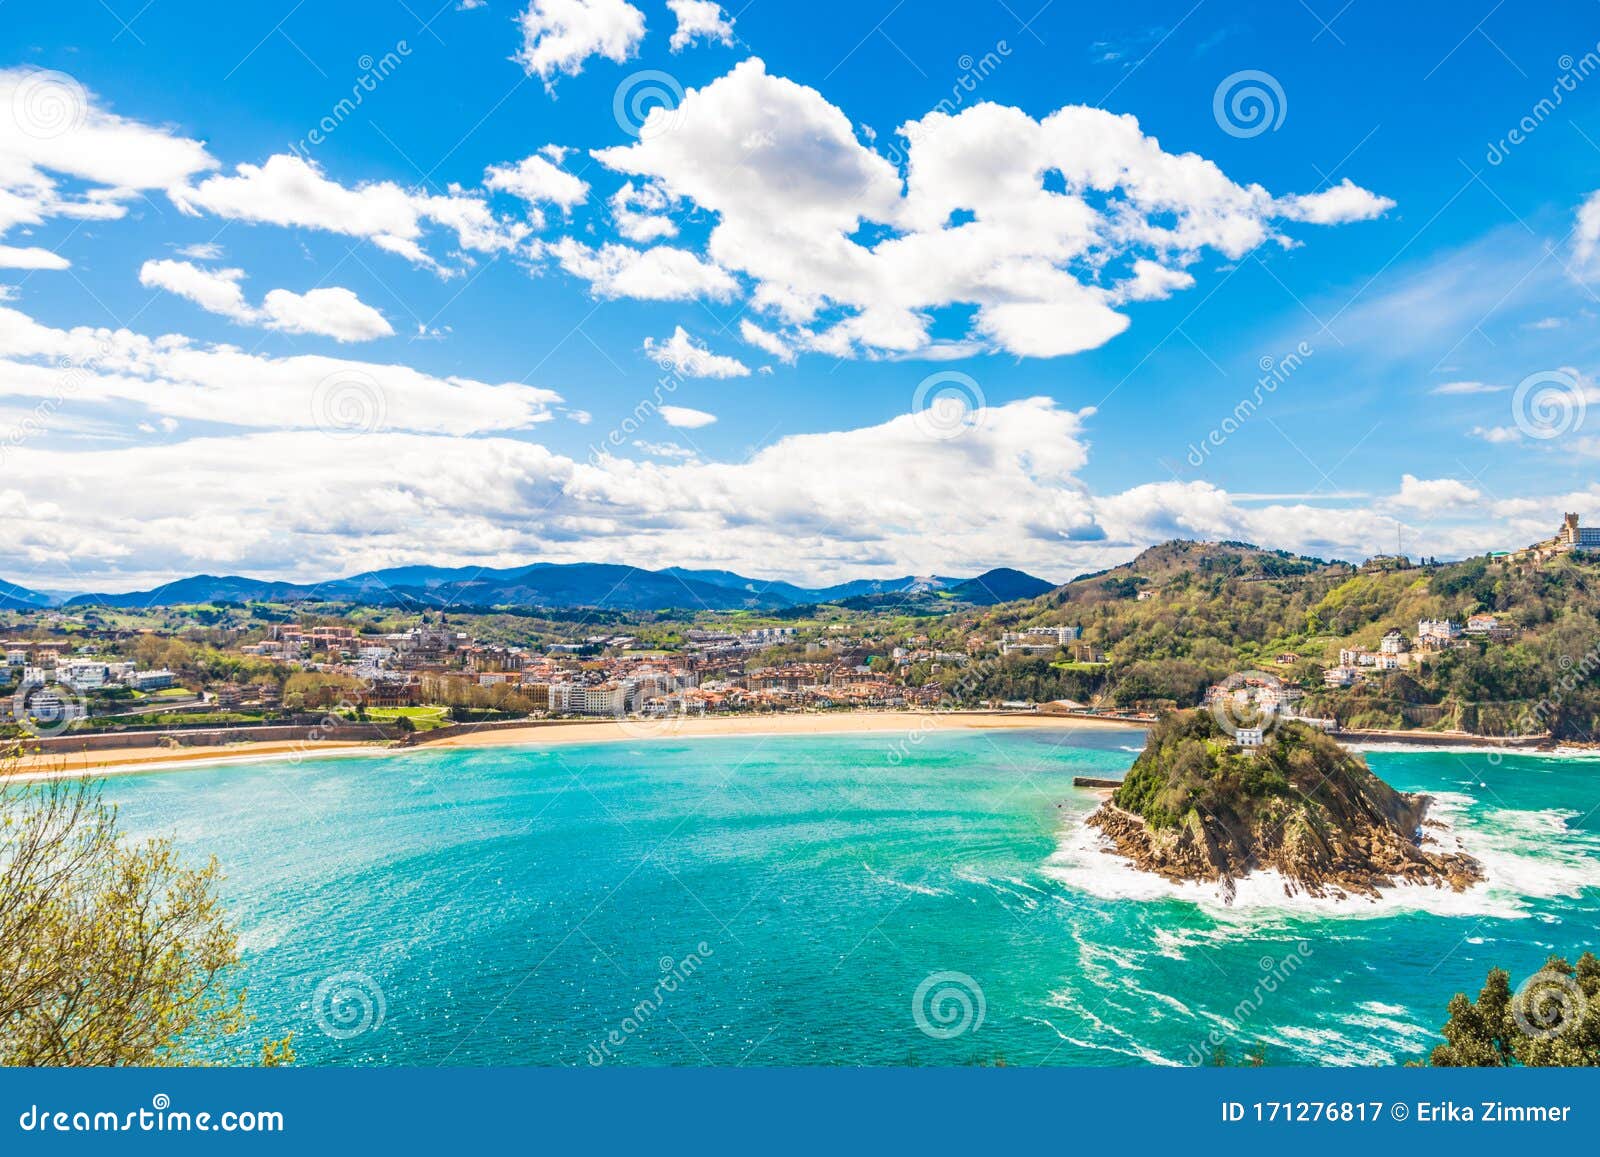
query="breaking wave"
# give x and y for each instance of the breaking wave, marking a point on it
(1526, 855)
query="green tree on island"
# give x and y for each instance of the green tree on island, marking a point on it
(1552, 1020)
(111, 952)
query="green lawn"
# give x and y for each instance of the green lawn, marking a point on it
(425, 718)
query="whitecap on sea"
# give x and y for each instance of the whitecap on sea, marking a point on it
(906, 885)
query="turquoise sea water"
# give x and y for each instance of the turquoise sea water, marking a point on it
(781, 901)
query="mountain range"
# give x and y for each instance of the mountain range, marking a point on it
(559, 585)
(13, 597)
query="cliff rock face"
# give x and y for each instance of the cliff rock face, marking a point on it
(1196, 807)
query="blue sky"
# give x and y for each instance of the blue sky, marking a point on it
(1384, 228)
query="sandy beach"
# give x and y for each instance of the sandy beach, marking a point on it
(559, 731)
(114, 761)
(563, 731)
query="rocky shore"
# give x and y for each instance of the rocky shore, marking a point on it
(1196, 807)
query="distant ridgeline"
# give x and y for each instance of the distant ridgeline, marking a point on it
(552, 585)
(1196, 806)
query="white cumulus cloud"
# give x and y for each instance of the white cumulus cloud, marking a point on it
(333, 312)
(693, 359)
(99, 371)
(31, 257)
(559, 35)
(63, 154)
(1041, 226)
(291, 191)
(538, 180)
(1344, 202)
(1586, 235)
(661, 273)
(683, 418)
(1435, 494)
(699, 20)
(213, 290)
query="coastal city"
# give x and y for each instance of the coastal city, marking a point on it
(566, 559)
(210, 673)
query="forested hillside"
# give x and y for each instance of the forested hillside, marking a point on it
(1213, 609)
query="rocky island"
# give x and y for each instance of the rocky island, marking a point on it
(1196, 806)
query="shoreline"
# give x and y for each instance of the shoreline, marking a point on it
(563, 732)
(131, 760)
(566, 732)
(551, 733)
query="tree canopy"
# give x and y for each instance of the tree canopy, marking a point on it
(1552, 1019)
(112, 951)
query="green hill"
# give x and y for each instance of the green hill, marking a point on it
(1215, 608)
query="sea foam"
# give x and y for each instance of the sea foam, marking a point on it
(1525, 855)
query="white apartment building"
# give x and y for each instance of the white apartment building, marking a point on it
(151, 680)
(577, 699)
(84, 675)
(608, 699)
(1062, 635)
(1282, 696)
(1437, 632)
(43, 705)
(1029, 648)
(664, 706)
